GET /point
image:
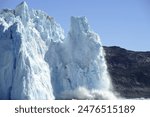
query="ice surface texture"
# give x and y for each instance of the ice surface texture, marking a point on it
(38, 62)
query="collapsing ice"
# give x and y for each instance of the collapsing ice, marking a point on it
(86, 69)
(39, 62)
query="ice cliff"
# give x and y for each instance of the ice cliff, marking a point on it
(38, 62)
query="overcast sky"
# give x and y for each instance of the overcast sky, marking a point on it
(124, 23)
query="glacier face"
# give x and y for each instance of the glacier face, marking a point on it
(38, 62)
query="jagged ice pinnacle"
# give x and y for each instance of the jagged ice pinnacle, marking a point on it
(38, 62)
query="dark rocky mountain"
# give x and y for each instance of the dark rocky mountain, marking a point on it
(130, 71)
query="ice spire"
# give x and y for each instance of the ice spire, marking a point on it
(79, 23)
(22, 10)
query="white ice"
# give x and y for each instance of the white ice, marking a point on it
(38, 62)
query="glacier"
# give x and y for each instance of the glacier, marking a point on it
(37, 60)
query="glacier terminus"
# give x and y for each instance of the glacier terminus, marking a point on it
(37, 60)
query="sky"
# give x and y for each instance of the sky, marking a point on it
(124, 23)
